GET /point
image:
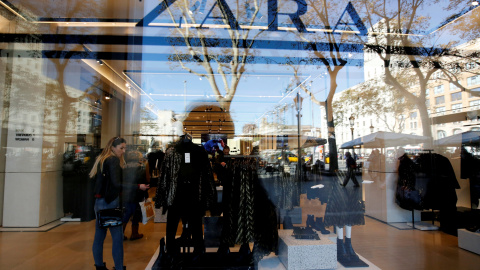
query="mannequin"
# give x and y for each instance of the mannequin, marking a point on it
(186, 189)
(345, 208)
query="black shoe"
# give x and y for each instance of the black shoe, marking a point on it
(101, 267)
(319, 226)
(349, 249)
(310, 221)
(342, 255)
(287, 223)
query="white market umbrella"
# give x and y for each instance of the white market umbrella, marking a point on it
(468, 138)
(382, 139)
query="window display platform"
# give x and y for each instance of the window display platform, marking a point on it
(270, 262)
(306, 254)
(187, 259)
(469, 240)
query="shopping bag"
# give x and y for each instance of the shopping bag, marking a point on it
(148, 211)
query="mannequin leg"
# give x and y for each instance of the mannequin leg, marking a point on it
(173, 218)
(339, 233)
(341, 252)
(348, 231)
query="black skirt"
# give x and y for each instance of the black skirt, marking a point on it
(345, 207)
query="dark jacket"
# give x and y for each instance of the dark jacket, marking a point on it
(186, 183)
(351, 164)
(133, 176)
(406, 173)
(108, 183)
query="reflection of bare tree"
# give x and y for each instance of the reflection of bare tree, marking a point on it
(334, 58)
(230, 63)
(149, 123)
(410, 57)
(61, 58)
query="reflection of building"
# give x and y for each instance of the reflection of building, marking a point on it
(160, 127)
(450, 109)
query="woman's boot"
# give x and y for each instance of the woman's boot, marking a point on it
(135, 234)
(101, 267)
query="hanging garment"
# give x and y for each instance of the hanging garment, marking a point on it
(186, 168)
(407, 196)
(249, 215)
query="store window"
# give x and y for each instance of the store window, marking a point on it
(456, 107)
(441, 134)
(457, 131)
(438, 89)
(454, 86)
(289, 86)
(456, 96)
(440, 110)
(439, 100)
(474, 104)
(473, 80)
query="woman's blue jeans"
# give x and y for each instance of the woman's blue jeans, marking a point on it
(101, 233)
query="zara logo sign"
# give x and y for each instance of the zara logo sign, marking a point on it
(273, 15)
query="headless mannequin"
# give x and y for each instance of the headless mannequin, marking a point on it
(185, 207)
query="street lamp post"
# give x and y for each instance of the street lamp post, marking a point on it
(352, 122)
(298, 105)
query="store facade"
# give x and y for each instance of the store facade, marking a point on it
(289, 82)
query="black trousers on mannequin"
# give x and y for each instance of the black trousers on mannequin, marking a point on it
(191, 215)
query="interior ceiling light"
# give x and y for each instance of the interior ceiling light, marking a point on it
(475, 3)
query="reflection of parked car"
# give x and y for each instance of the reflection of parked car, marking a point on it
(271, 167)
(291, 157)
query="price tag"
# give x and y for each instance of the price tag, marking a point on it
(187, 157)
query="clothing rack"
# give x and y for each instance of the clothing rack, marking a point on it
(257, 158)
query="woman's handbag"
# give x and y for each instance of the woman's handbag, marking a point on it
(109, 217)
(148, 211)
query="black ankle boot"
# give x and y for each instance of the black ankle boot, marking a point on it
(349, 248)
(342, 255)
(101, 267)
(287, 223)
(310, 221)
(319, 226)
